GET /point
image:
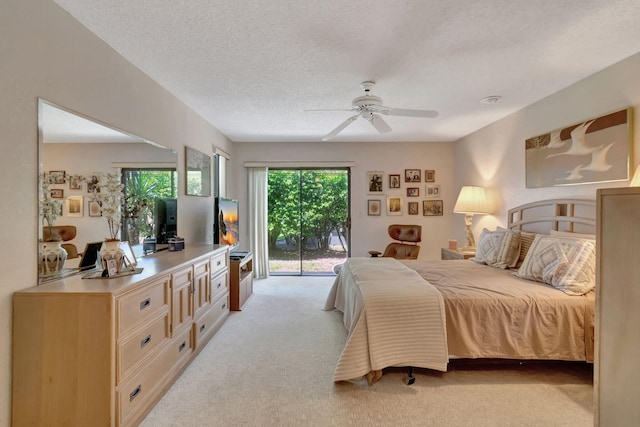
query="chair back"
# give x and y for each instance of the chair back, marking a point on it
(408, 235)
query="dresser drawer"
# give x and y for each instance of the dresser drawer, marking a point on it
(137, 392)
(141, 343)
(219, 285)
(218, 263)
(201, 267)
(219, 309)
(134, 308)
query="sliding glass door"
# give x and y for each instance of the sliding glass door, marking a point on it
(308, 220)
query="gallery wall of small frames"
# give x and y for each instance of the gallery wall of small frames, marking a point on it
(414, 192)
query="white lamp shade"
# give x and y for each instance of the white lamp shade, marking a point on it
(471, 200)
(635, 181)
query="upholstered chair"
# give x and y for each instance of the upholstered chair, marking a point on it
(406, 246)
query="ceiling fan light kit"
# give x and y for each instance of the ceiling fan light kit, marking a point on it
(369, 107)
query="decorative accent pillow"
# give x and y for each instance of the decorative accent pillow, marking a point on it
(526, 239)
(498, 248)
(565, 263)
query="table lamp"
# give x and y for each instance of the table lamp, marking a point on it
(471, 201)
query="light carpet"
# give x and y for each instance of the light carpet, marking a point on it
(272, 365)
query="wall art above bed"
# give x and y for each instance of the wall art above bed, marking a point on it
(596, 150)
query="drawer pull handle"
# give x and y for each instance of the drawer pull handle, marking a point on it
(182, 346)
(218, 263)
(145, 341)
(135, 393)
(224, 305)
(145, 303)
(202, 327)
(219, 284)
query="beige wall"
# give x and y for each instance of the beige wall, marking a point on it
(46, 53)
(494, 156)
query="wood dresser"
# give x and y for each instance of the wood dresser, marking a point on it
(102, 352)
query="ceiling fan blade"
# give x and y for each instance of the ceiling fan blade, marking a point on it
(340, 128)
(409, 113)
(341, 109)
(380, 125)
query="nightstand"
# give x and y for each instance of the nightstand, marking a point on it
(446, 253)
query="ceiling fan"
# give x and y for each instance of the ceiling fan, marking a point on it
(370, 107)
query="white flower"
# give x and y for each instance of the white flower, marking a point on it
(108, 192)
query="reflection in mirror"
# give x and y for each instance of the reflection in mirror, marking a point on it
(76, 156)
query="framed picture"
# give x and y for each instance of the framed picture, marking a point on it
(57, 177)
(429, 175)
(57, 193)
(394, 181)
(413, 208)
(75, 182)
(374, 207)
(94, 208)
(129, 259)
(74, 206)
(413, 192)
(432, 191)
(374, 182)
(93, 182)
(596, 150)
(198, 173)
(394, 205)
(432, 207)
(412, 175)
(112, 267)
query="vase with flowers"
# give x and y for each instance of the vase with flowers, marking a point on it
(51, 255)
(108, 193)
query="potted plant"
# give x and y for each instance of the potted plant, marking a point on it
(108, 193)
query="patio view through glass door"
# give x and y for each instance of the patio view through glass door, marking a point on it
(308, 220)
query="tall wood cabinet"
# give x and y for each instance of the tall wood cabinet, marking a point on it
(102, 352)
(617, 375)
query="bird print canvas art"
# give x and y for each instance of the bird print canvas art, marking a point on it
(596, 150)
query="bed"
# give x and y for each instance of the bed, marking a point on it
(533, 301)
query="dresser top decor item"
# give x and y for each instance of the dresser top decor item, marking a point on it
(108, 192)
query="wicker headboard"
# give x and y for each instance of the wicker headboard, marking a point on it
(573, 215)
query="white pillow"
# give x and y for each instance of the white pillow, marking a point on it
(567, 264)
(499, 248)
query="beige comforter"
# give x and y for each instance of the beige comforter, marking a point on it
(493, 314)
(392, 315)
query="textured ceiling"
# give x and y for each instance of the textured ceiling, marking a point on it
(252, 67)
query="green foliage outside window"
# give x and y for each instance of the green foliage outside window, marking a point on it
(306, 206)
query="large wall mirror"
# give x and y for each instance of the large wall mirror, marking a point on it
(78, 155)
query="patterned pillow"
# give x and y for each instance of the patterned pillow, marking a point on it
(526, 239)
(498, 248)
(565, 263)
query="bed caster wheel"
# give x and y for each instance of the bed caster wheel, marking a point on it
(409, 378)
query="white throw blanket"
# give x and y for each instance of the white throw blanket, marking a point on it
(393, 316)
